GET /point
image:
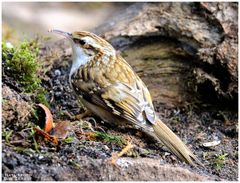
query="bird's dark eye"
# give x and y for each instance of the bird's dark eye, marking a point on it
(82, 42)
(79, 41)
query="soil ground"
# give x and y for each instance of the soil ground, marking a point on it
(195, 126)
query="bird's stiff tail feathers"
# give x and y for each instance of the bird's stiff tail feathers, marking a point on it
(174, 143)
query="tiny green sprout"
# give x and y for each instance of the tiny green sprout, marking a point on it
(205, 155)
(35, 114)
(32, 137)
(68, 140)
(20, 149)
(74, 163)
(61, 113)
(219, 161)
(35, 144)
(7, 135)
(23, 149)
(111, 138)
(31, 133)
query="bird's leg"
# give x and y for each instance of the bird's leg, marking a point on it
(78, 116)
(83, 115)
(125, 150)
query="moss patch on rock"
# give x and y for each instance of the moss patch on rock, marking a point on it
(20, 63)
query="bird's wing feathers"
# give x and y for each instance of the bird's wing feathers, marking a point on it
(124, 94)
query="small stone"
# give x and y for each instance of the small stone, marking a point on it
(58, 94)
(9, 45)
(57, 72)
(106, 148)
(102, 156)
(211, 144)
(167, 153)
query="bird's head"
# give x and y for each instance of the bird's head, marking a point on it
(89, 43)
(85, 47)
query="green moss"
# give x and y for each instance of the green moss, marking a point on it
(68, 140)
(20, 63)
(23, 149)
(41, 97)
(111, 138)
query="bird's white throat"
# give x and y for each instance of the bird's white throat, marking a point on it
(79, 58)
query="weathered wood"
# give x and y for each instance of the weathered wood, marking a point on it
(202, 36)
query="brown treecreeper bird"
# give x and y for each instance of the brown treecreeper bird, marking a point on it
(107, 85)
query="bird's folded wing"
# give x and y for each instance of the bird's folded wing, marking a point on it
(125, 95)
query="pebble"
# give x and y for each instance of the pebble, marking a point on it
(102, 156)
(58, 94)
(9, 45)
(167, 153)
(106, 148)
(57, 72)
(211, 144)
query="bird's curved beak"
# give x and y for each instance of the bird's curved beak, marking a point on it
(66, 34)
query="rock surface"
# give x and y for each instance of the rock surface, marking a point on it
(88, 169)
